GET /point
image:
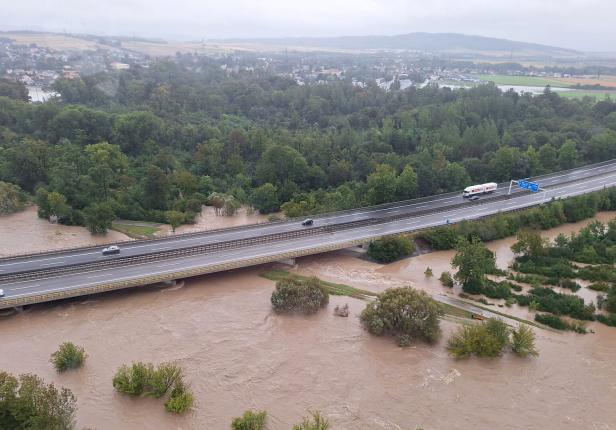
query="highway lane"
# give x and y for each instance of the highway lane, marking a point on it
(439, 202)
(303, 245)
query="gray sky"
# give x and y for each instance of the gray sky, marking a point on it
(578, 24)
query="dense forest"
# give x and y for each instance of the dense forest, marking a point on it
(151, 143)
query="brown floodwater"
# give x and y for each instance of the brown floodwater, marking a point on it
(238, 355)
(208, 220)
(24, 232)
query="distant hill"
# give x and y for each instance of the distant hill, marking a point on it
(433, 42)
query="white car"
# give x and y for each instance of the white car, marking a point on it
(1, 292)
(113, 249)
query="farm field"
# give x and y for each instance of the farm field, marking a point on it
(522, 80)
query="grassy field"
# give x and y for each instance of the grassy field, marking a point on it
(134, 231)
(53, 41)
(332, 288)
(598, 95)
(531, 81)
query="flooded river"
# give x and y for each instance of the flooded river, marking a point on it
(239, 355)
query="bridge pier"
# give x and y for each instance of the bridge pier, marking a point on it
(287, 261)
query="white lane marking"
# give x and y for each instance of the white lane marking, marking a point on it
(49, 264)
(97, 276)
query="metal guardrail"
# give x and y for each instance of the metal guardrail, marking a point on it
(160, 255)
(289, 221)
(179, 274)
(192, 250)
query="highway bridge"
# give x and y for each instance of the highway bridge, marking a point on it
(34, 278)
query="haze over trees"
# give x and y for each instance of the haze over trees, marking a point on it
(139, 143)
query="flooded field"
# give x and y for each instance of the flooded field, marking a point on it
(25, 232)
(208, 220)
(239, 355)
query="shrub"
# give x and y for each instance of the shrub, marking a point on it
(609, 319)
(428, 273)
(299, 295)
(547, 300)
(446, 279)
(487, 339)
(162, 379)
(250, 421)
(403, 312)
(68, 356)
(12, 198)
(523, 341)
(390, 248)
(133, 380)
(496, 290)
(552, 321)
(180, 399)
(28, 402)
(144, 379)
(601, 286)
(316, 422)
(570, 285)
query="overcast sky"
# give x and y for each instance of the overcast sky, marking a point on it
(578, 24)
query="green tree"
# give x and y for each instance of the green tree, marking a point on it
(265, 198)
(404, 312)
(57, 205)
(28, 402)
(530, 243)
(568, 155)
(68, 356)
(306, 296)
(390, 248)
(473, 261)
(381, 185)
(107, 162)
(174, 218)
(406, 184)
(98, 217)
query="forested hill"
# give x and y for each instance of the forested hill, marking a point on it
(433, 42)
(155, 143)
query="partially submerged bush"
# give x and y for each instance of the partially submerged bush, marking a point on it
(405, 313)
(250, 421)
(315, 422)
(446, 279)
(523, 341)
(558, 323)
(144, 379)
(489, 339)
(180, 399)
(299, 295)
(68, 356)
(390, 248)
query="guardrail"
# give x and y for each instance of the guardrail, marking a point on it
(10, 302)
(290, 221)
(199, 249)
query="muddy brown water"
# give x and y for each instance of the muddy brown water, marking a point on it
(239, 355)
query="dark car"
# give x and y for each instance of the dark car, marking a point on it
(113, 249)
(307, 222)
